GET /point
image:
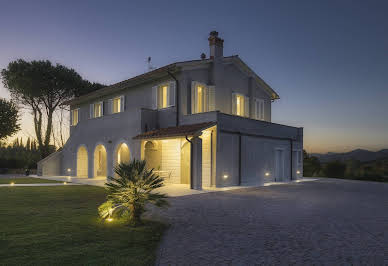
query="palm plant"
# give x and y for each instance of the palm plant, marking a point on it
(130, 191)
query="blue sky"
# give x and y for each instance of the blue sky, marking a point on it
(328, 60)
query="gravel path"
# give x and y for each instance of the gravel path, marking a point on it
(328, 221)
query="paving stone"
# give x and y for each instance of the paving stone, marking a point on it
(326, 222)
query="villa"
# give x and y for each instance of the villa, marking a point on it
(204, 123)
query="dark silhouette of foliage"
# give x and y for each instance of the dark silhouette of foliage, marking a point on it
(311, 165)
(9, 119)
(335, 169)
(18, 156)
(43, 87)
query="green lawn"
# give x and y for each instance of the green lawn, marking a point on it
(60, 225)
(26, 180)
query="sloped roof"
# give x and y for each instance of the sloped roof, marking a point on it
(184, 130)
(160, 72)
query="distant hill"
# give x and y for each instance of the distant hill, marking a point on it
(359, 154)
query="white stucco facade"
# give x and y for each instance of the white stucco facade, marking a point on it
(237, 149)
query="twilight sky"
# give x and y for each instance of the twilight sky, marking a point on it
(328, 60)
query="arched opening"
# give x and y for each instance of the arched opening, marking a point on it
(100, 161)
(152, 155)
(82, 162)
(123, 154)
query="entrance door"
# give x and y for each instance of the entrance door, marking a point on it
(279, 165)
(185, 163)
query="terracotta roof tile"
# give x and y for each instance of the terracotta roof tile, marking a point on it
(184, 130)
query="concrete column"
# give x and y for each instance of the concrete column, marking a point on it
(90, 162)
(196, 163)
(109, 160)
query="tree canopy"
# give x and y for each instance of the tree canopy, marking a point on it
(43, 87)
(9, 119)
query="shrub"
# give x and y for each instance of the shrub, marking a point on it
(335, 169)
(131, 191)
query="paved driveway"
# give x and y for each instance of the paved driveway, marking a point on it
(322, 222)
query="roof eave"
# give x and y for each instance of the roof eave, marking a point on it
(137, 80)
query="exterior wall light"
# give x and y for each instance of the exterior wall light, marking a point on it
(267, 174)
(12, 183)
(65, 183)
(298, 172)
(225, 176)
(68, 170)
(109, 220)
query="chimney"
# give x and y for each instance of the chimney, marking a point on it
(216, 45)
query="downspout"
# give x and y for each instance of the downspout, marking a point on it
(176, 97)
(239, 159)
(191, 162)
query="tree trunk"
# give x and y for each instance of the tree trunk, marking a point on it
(135, 215)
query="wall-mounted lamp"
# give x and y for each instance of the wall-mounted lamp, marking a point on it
(298, 172)
(12, 183)
(225, 176)
(267, 174)
(68, 170)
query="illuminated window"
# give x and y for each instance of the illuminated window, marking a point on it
(240, 104)
(74, 117)
(97, 109)
(163, 96)
(203, 97)
(117, 105)
(200, 93)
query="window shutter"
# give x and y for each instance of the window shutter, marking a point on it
(155, 97)
(212, 98)
(122, 103)
(234, 111)
(246, 106)
(91, 109)
(171, 93)
(102, 108)
(194, 97)
(256, 109)
(262, 110)
(110, 106)
(71, 117)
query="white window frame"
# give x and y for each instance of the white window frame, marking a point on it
(121, 106)
(169, 96)
(207, 97)
(72, 117)
(259, 109)
(93, 111)
(244, 108)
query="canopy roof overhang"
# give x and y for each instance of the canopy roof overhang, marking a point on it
(179, 131)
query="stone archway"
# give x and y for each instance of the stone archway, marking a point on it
(100, 161)
(82, 162)
(152, 155)
(122, 154)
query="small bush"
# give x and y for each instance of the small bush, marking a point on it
(335, 169)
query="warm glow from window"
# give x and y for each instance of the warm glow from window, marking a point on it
(74, 117)
(164, 102)
(116, 105)
(97, 110)
(199, 99)
(240, 105)
(163, 95)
